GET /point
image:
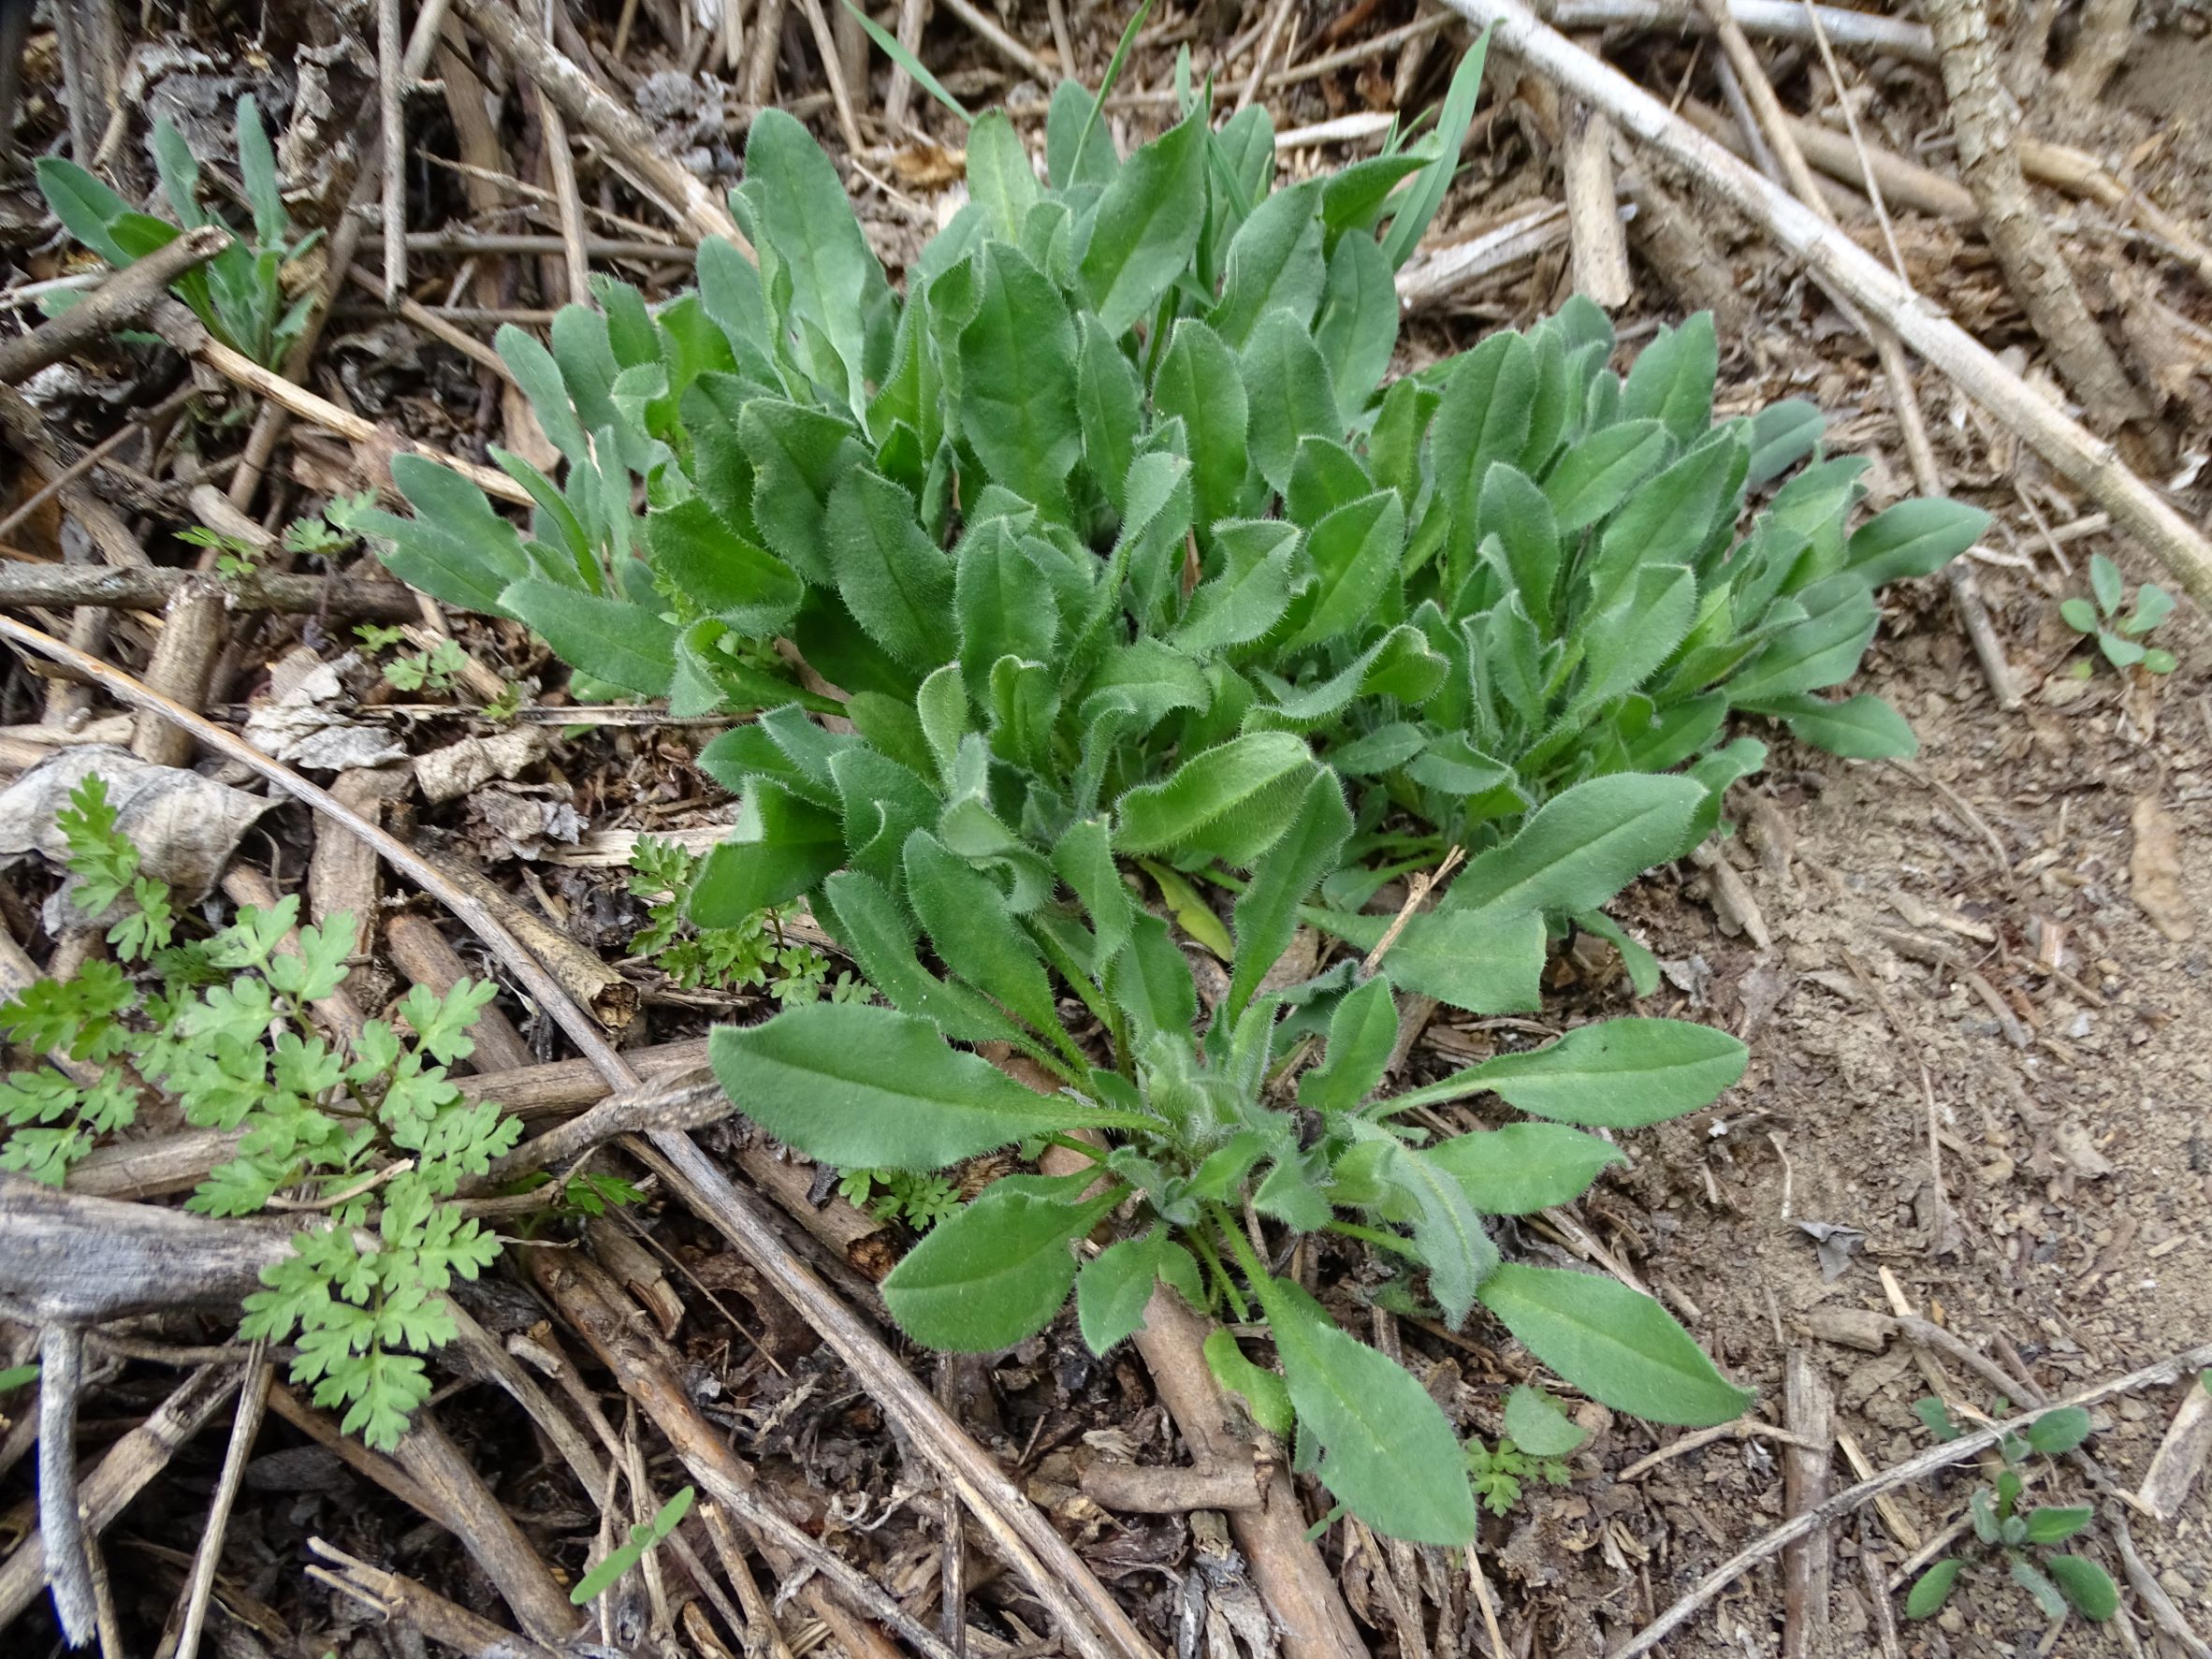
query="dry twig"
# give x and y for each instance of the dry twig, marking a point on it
(629, 144)
(1983, 115)
(1045, 1559)
(252, 1402)
(118, 303)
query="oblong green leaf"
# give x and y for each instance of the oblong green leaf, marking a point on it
(748, 587)
(1209, 786)
(1596, 474)
(1387, 1452)
(1860, 728)
(1914, 538)
(879, 933)
(1616, 1345)
(998, 173)
(1112, 1288)
(2060, 1431)
(782, 847)
(1266, 911)
(1447, 1232)
(1583, 845)
(997, 1272)
(2054, 1523)
(1672, 378)
(869, 1088)
(1524, 1166)
(1146, 225)
(974, 930)
(85, 206)
(1489, 961)
(1017, 378)
(1933, 1589)
(1362, 1031)
(610, 639)
(2086, 1584)
(1620, 1073)
(1199, 380)
(1537, 1425)
(896, 581)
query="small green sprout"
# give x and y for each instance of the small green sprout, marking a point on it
(2057, 1581)
(2120, 638)
(642, 1537)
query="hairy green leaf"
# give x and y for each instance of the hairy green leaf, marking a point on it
(1616, 1345)
(997, 1271)
(1387, 1453)
(1519, 1169)
(865, 1087)
(1146, 225)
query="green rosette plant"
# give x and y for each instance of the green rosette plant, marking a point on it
(1110, 545)
(1122, 453)
(1201, 1123)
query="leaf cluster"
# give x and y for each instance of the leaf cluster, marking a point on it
(371, 1142)
(1125, 558)
(2120, 638)
(1122, 454)
(2018, 1537)
(239, 294)
(1209, 1123)
(752, 951)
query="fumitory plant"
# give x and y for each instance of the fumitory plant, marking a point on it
(1203, 1127)
(239, 294)
(368, 1146)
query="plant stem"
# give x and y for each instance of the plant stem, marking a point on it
(1212, 1258)
(1375, 1236)
(1069, 1144)
(1255, 1270)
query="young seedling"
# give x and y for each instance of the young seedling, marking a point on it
(919, 1201)
(752, 951)
(377, 1137)
(2120, 638)
(320, 534)
(234, 555)
(2020, 1538)
(431, 671)
(242, 294)
(1535, 1444)
(642, 1537)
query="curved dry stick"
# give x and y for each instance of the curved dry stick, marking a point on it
(116, 303)
(2075, 452)
(1904, 1474)
(1047, 1562)
(1983, 118)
